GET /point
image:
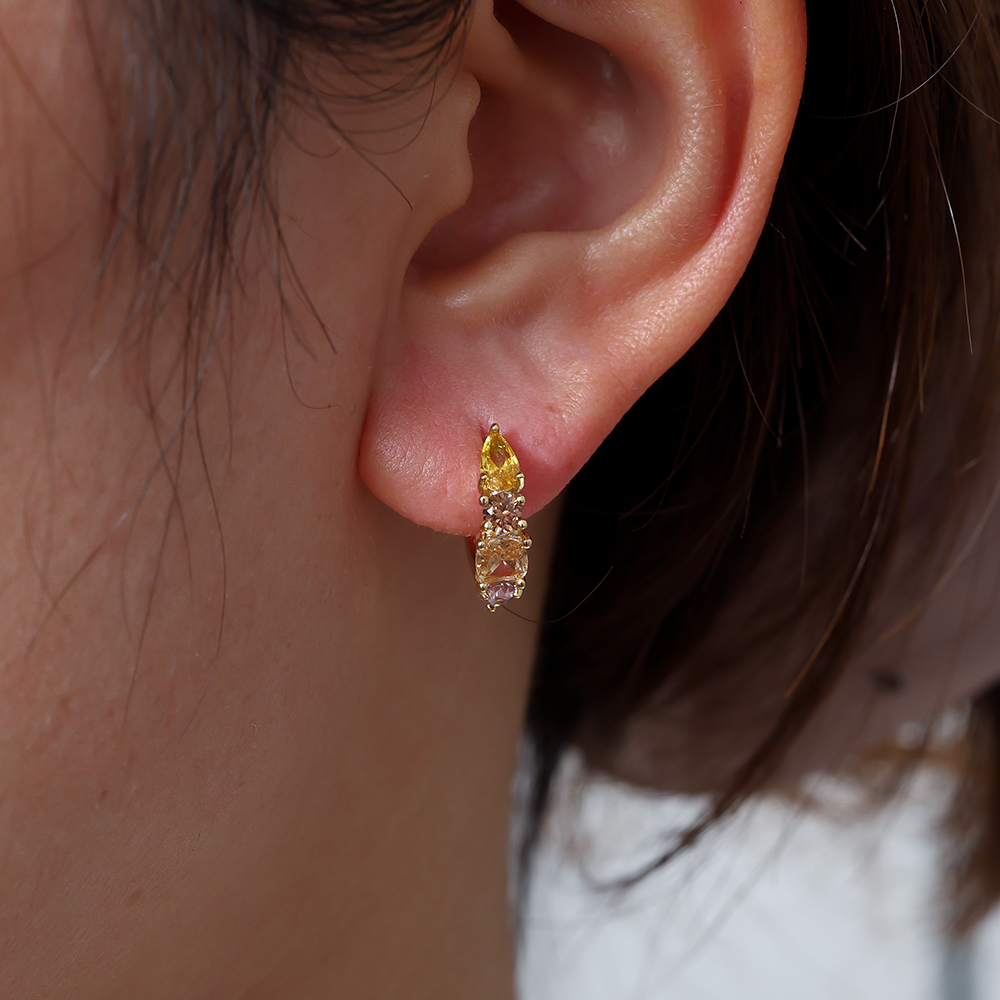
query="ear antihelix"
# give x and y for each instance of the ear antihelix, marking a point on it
(501, 546)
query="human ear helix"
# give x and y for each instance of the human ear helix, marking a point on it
(501, 547)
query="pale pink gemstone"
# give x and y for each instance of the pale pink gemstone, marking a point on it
(499, 593)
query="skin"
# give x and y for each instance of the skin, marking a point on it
(257, 730)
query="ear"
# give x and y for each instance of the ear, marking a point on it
(623, 161)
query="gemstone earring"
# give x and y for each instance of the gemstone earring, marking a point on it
(501, 547)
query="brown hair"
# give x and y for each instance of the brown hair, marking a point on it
(745, 512)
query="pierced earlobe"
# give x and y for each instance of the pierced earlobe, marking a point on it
(501, 547)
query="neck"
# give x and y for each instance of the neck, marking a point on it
(420, 899)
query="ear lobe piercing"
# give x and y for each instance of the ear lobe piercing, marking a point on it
(501, 547)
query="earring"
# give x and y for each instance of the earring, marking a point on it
(501, 547)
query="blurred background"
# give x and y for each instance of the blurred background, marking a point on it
(822, 896)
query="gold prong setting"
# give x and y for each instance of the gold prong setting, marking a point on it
(501, 547)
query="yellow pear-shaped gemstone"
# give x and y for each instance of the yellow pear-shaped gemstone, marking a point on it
(499, 464)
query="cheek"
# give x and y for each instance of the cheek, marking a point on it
(117, 794)
(178, 730)
(146, 796)
(177, 719)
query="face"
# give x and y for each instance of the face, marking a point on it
(222, 658)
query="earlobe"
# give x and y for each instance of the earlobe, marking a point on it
(624, 158)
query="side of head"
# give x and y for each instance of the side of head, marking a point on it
(267, 276)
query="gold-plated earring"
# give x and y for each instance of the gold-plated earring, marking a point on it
(501, 547)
